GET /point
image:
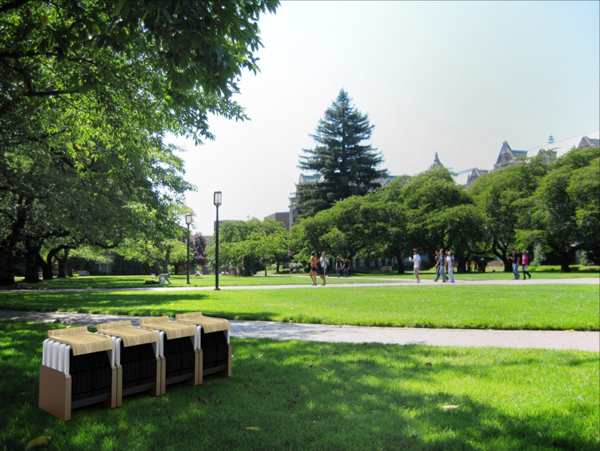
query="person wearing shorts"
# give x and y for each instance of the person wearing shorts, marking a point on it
(416, 259)
(313, 268)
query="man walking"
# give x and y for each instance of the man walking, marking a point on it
(439, 266)
(416, 259)
(313, 268)
(516, 259)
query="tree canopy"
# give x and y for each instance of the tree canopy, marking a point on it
(88, 91)
(347, 163)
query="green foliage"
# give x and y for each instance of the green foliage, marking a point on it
(564, 211)
(89, 90)
(500, 196)
(251, 244)
(347, 166)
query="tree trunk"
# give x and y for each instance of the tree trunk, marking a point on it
(400, 263)
(167, 261)
(32, 262)
(7, 269)
(46, 268)
(7, 246)
(63, 264)
(246, 266)
(564, 262)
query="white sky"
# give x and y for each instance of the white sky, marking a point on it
(458, 78)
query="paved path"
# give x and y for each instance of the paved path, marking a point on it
(583, 341)
(376, 283)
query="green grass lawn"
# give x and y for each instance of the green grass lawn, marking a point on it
(557, 307)
(316, 396)
(85, 282)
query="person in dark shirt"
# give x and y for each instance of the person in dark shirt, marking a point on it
(515, 257)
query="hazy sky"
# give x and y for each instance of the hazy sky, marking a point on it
(457, 78)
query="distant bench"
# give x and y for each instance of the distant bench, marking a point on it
(386, 269)
(83, 272)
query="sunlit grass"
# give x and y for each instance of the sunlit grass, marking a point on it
(364, 276)
(557, 307)
(327, 396)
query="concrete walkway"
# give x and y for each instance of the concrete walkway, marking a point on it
(336, 283)
(583, 341)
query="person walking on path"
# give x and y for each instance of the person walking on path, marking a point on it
(449, 265)
(439, 266)
(516, 259)
(416, 258)
(346, 267)
(525, 263)
(339, 265)
(323, 264)
(313, 268)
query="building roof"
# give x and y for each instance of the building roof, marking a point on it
(590, 139)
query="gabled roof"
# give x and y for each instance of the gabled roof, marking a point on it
(563, 146)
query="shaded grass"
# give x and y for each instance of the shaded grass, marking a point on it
(544, 307)
(86, 282)
(351, 397)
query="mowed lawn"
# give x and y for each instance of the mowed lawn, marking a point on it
(515, 306)
(138, 281)
(321, 396)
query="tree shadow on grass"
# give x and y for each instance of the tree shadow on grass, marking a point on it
(311, 396)
(126, 303)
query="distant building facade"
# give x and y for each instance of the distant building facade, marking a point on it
(510, 157)
(283, 217)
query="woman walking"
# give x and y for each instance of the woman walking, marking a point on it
(525, 263)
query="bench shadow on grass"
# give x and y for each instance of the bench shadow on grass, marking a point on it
(359, 397)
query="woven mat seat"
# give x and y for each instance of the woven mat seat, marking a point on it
(81, 340)
(208, 323)
(173, 329)
(131, 335)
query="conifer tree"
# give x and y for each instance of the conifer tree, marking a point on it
(348, 165)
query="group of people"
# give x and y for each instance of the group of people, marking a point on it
(319, 266)
(444, 262)
(520, 259)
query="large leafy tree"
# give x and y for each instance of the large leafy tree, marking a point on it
(500, 197)
(563, 213)
(343, 157)
(250, 245)
(88, 90)
(438, 213)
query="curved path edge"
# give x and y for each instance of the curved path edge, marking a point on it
(535, 339)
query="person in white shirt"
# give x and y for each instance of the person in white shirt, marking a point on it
(324, 261)
(416, 258)
(450, 263)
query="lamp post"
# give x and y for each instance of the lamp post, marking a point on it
(188, 221)
(218, 198)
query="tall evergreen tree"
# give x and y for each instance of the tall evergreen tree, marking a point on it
(347, 164)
